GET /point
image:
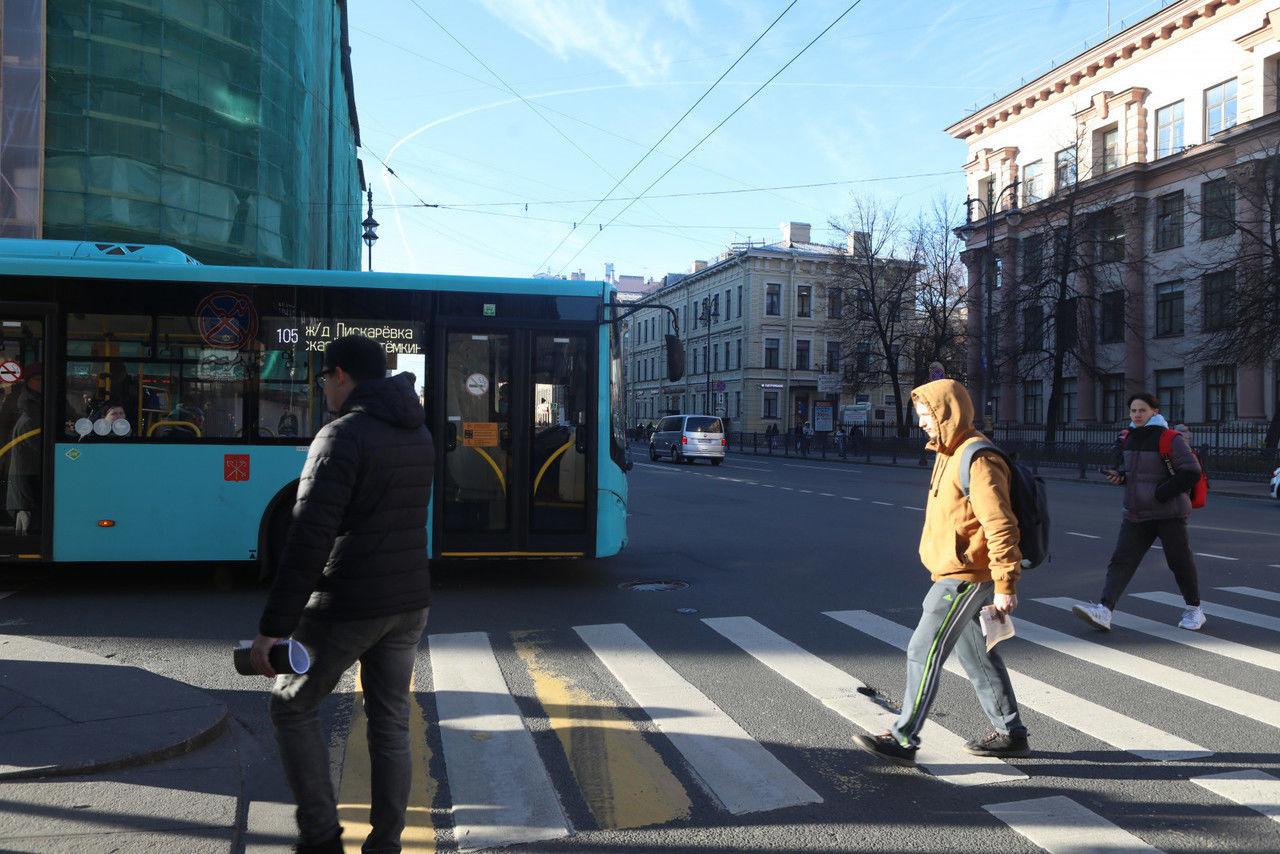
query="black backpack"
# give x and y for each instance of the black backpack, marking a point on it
(1029, 499)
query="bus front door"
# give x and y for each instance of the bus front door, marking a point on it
(517, 423)
(23, 414)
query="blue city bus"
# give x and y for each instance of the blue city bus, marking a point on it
(177, 401)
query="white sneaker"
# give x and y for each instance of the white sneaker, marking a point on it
(1192, 618)
(1098, 616)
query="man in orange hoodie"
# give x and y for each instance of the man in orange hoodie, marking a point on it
(970, 547)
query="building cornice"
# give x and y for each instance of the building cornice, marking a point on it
(1161, 30)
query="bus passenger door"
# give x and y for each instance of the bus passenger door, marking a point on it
(561, 442)
(476, 506)
(24, 413)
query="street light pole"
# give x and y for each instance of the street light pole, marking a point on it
(370, 226)
(706, 317)
(1013, 216)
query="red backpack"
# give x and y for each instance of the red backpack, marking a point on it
(1198, 492)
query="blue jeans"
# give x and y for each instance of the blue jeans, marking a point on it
(386, 648)
(950, 621)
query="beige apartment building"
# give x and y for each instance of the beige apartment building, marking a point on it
(1134, 179)
(756, 327)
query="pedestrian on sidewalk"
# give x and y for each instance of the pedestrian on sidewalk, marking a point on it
(970, 547)
(1156, 504)
(353, 585)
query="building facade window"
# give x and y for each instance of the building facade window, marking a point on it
(1064, 169)
(802, 355)
(773, 299)
(1033, 402)
(1111, 318)
(1033, 328)
(1220, 393)
(1114, 406)
(1032, 258)
(1219, 288)
(804, 301)
(771, 352)
(833, 357)
(1066, 323)
(1109, 149)
(727, 302)
(739, 300)
(1169, 130)
(862, 358)
(738, 351)
(737, 404)
(1170, 297)
(833, 303)
(1171, 391)
(769, 405)
(1110, 227)
(1067, 408)
(1169, 208)
(1220, 108)
(1218, 208)
(1032, 182)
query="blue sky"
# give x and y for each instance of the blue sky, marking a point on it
(517, 117)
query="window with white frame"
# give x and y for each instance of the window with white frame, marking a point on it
(1169, 135)
(1169, 208)
(1067, 407)
(1171, 390)
(1220, 393)
(804, 301)
(1220, 108)
(802, 355)
(833, 357)
(1032, 182)
(1170, 297)
(1064, 169)
(771, 347)
(773, 298)
(769, 405)
(1033, 402)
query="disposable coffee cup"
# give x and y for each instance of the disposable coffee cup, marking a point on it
(286, 656)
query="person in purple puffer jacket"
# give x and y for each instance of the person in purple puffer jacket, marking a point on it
(1156, 504)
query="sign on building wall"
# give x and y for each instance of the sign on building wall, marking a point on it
(824, 412)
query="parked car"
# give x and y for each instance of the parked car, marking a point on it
(1275, 484)
(685, 438)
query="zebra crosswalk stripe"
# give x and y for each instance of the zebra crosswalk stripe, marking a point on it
(1059, 825)
(500, 789)
(1265, 659)
(1254, 789)
(1226, 612)
(1253, 591)
(1261, 709)
(1104, 724)
(941, 751)
(738, 770)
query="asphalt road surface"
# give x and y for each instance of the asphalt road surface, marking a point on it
(700, 692)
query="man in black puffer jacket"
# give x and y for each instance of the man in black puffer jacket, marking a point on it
(353, 585)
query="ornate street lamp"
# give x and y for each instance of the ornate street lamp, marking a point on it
(370, 226)
(706, 317)
(989, 208)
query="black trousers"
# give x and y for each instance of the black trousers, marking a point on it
(1132, 544)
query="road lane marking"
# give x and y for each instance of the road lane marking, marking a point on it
(742, 774)
(621, 777)
(1261, 709)
(751, 468)
(851, 498)
(827, 494)
(1059, 825)
(941, 751)
(806, 491)
(500, 789)
(884, 503)
(1218, 557)
(1086, 536)
(353, 791)
(1208, 643)
(1255, 592)
(816, 468)
(1237, 615)
(909, 507)
(1106, 725)
(1254, 789)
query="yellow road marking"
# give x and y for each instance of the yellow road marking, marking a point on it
(353, 793)
(623, 780)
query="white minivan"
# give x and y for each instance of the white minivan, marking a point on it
(685, 438)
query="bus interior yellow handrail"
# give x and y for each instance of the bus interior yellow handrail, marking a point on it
(158, 424)
(18, 439)
(551, 459)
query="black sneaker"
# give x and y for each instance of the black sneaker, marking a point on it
(996, 744)
(887, 747)
(332, 845)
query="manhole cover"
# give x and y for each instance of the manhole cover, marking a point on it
(650, 586)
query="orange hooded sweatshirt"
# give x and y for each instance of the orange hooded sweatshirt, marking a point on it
(974, 538)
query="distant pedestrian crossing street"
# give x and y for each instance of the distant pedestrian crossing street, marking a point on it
(546, 734)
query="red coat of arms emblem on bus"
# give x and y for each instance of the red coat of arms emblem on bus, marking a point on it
(235, 467)
(227, 319)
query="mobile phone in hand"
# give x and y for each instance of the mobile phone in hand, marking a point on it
(1109, 472)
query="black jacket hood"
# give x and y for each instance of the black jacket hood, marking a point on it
(390, 399)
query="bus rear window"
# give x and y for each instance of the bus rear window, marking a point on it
(700, 424)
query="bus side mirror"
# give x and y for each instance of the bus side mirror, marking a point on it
(675, 358)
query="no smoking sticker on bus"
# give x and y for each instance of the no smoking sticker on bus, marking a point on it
(10, 371)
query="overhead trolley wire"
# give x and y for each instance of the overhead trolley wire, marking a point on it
(671, 130)
(721, 124)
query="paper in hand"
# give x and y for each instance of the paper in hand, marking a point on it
(286, 656)
(994, 628)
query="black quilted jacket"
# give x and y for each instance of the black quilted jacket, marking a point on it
(357, 545)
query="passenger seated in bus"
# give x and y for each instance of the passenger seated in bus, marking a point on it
(189, 423)
(109, 414)
(288, 425)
